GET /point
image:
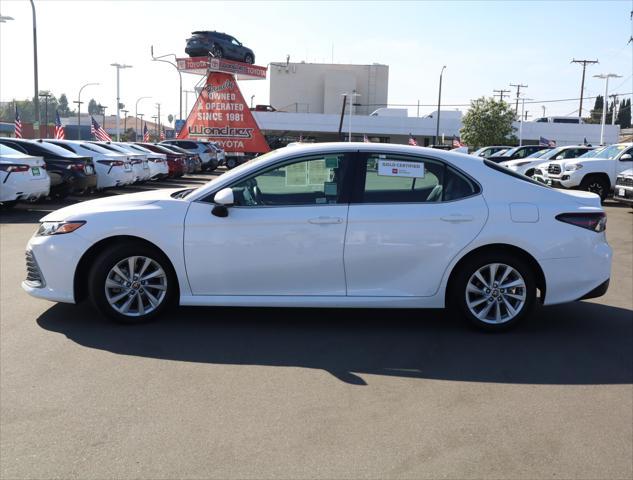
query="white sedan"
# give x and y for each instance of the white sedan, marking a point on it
(22, 177)
(331, 225)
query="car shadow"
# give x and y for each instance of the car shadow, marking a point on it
(578, 343)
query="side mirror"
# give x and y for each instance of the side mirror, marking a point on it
(223, 199)
(626, 156)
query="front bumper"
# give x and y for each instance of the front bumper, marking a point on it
(623, 194)
(54, 259)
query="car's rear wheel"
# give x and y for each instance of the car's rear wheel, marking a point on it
(217, 52)
(596, 184)
(131, 283)
(248, 58)
(494, 291)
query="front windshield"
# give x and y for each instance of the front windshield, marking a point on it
(542, 153)
(507, 153)
(609, 153)
(592, 153)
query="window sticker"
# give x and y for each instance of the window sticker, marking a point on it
(397, 168)
(331, 162)
(297, 175)
(330, 188)
(318, 173)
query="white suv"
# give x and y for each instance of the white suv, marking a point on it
(595, 171)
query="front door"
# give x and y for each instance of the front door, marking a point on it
(284, 235)
(409, 220)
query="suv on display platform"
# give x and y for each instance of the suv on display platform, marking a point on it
(219, 45)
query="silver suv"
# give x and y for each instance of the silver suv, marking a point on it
(208, 153)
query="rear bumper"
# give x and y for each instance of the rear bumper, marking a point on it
(599, 291)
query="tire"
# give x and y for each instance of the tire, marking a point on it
(217, 52)
(485, 304)
(231, 163)
(596, 184)
(122, 304)
(248, 58)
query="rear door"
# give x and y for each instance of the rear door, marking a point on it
(408, 219)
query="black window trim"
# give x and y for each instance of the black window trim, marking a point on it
(361, 171)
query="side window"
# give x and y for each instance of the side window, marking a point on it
(403, 179)
(630, 152)
(308, 181)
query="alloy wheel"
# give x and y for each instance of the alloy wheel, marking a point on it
(496, 293)
(136, 286)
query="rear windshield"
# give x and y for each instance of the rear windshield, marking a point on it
(507, 171)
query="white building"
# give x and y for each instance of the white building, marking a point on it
(317, 87)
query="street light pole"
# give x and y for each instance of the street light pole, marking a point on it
(187, 92)
(605, 100)
(118, 67)
(125, 112)
(136, 115)
(439, 104)
(36, 99)
(159, 59)
(141, 115)
(45, 95)
(79, 102)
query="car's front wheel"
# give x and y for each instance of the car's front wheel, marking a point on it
(131, 283)
(494, 291)
(231, 163)
(248, 58)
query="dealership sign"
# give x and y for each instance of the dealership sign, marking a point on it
(202, 65)
(221, 115)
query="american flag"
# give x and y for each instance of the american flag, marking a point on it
(18, 124)
(145, 133)
(59, 130)
(457, 143)
(98, 132)
(544, 142)
(366, 139)
(412, 141)
(162, 133)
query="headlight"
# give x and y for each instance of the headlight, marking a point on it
(573, 166)
(58, 228)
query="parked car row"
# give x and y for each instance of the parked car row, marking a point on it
(35, 169)
(601, 170)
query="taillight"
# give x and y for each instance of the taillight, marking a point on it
(14, 168)
(76, 166)
(111, 163)
(596, 221)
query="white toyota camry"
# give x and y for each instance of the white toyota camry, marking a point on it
(331, 225)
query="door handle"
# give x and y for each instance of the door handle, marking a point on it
(457, 218)
(325, 220)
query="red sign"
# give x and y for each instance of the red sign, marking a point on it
(221, 115)
(201, 65)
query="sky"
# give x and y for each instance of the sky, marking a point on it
(484, 45)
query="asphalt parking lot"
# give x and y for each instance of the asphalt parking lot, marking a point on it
(272, 393)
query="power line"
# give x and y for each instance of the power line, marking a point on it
(584, 64)
(519, 87)
(501, 93)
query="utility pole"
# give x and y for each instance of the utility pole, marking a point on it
(36, 98)
(158, 106)
(584, 64)
(519, 87)
(523, 99)
(118, 67)
(605, 102)
(501, 93)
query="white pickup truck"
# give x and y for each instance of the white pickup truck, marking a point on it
(595, 171)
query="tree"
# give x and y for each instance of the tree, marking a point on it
(487, 122)
(63, 109)
(623, 117)
(129, 135)
(93, 107)
(595, 116)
